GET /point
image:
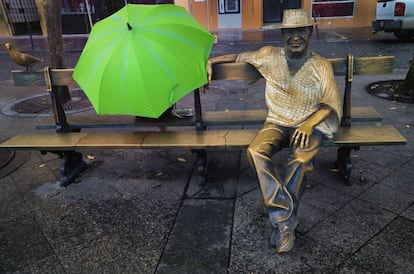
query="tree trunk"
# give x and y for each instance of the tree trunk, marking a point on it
(55, 40)
(407, 86)
(54, 32)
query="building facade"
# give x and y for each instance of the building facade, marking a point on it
(257, 14)
(20, 17)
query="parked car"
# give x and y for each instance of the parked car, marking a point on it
(396, 16)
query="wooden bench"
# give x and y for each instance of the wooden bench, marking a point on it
(197, 133)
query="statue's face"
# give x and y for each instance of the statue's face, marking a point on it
(296, 40)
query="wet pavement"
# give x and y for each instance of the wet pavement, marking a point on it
(142, 211)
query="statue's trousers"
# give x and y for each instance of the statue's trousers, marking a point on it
(281, 196)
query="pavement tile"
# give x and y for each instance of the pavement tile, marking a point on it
(42, 169)
(319, 257)
(409, 213)
(251, 251)
(350, 227)
(22, 243)
(135, 231)
(389, 157)
(389, 198)
(366, 173)
(47, 265)
(368, 168)
(322, 253)
(114, 220)
(222, 175)
(325, 169)
(247, 180)
(401, 179)
(100, 256)
(11, 203)
(382, 254)
(65, 223)
(325, 198)
(200, 239)
(309, 217)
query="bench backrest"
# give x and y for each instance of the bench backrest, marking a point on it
(341, 66)
(348, 67)
(223, 71)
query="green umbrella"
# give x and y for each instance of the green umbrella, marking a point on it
(142, 59)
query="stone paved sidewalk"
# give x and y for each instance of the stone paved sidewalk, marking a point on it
(143, 211)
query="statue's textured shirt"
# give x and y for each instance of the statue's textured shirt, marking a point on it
(292, 99)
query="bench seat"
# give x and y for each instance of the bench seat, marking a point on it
(361, 135)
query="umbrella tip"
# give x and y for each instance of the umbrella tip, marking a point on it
(129, 26)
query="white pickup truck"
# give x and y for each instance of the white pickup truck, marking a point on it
(395, 16)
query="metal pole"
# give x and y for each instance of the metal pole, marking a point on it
(29, 29)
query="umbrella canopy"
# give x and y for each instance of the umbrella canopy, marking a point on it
(142, 59)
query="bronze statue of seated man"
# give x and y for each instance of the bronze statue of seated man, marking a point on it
(304, 107)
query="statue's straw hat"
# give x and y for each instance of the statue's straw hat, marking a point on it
(296, 18)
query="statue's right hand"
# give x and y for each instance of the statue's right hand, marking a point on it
(209, 70)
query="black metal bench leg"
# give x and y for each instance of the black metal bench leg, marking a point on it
(72, 165)
(343, 162)
(201, 166)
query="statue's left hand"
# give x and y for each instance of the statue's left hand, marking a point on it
(302, 135)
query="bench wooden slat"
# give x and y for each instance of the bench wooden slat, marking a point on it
(60, 77)
(373, 65)
(235, 138)
(367, 135)
(359, 114)
(223, 71)
(235, 71)
(43, 141)
(28, 78)
(364, 135)
(365, 114)
(362, 66)
(210, 118)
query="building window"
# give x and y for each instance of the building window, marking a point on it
(229, 6)
(77, 7)
(333, 8)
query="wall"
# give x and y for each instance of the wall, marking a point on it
(199, 9)
(252, 14)
(183, 3)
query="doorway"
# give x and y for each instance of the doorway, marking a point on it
(273, 9)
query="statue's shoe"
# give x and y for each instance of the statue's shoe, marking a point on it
(283, 238)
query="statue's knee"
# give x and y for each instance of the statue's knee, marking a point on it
(306, 155)
(250, 155)
(300, 159)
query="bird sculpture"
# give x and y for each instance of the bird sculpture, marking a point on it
(22, 59)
